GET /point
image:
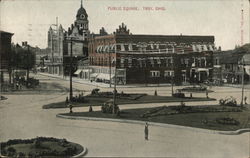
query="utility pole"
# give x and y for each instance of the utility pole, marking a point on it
(109, 68)
(114, 96)
(70, 73)
(242, 24)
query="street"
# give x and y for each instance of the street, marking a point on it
(22, 116)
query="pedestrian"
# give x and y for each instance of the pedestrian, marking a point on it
(90, 108)
(70, 108)
(191, 95)
(146, 131)
(207, 93)
(17, 86)
(245, 99)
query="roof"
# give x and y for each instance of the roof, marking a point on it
(80, 11)
(159, 38)
(4, 32)
(229, 57)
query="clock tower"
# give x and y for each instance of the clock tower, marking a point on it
(82, 19)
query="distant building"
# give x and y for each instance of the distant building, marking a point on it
(150, 58)
(61, 43)
(76, 40)
(5, 49)
(227, 67)
(55, 48)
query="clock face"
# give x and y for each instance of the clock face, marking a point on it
(82, 16)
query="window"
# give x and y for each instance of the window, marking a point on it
(168, 73)
(216, 61)
(122, 47)
(129, 62)
(130, 48)
(155, 73)
(152, 62)
(122, 62)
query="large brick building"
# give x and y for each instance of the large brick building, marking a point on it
(150, 58)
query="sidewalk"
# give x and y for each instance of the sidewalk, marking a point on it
(100, 84)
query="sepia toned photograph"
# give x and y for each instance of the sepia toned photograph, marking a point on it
(125, 78)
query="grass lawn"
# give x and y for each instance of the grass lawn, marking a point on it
(200, 117)
(97, 101)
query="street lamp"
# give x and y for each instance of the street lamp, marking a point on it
(70, 70)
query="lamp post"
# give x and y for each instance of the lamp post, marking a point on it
(70, 70)
(242, 82)
(172, 76)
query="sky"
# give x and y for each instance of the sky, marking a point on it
(30, 20)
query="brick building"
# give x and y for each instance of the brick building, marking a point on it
(150, 58)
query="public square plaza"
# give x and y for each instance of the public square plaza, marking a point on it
(22, 117)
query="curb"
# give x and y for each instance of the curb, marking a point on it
(240, 131)
(121, 86)
(83, 153)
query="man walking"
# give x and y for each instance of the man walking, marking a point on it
(146, 131)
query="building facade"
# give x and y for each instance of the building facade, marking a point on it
(68, 45)
(76, 41)
(55, 48)
(5, 50)
(227, 68)
(150, 58)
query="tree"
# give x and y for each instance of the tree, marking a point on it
(23, 58)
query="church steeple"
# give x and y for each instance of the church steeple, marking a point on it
(81, 4)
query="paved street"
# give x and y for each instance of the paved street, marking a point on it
(22, 116)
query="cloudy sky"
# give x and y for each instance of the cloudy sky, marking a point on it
(29, 20)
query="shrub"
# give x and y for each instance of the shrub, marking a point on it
(11, 151)
(95, 91)
(108, 108)
(37, 143)
(179, 95)
(20, 155)
(227, 121)
(228, 101)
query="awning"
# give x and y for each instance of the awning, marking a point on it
(78, 72)
(247, 68)
(217, 66)
(105, 76)
(85, 70)
(202, 69)
(94, 75)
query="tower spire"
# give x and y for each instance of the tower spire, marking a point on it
(81, 3)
